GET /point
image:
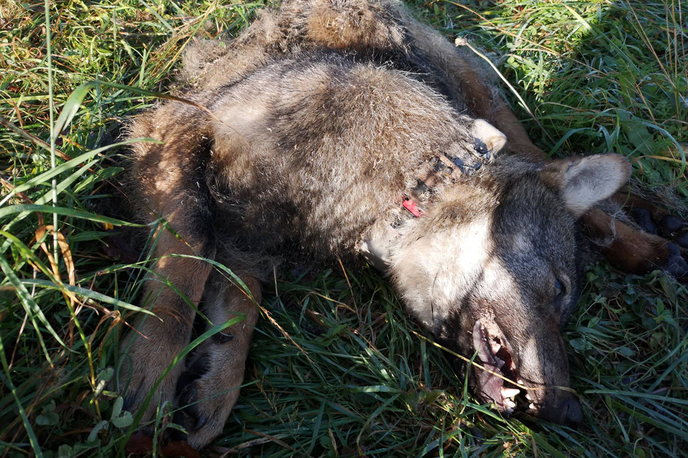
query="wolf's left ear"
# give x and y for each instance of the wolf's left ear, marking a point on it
(583, 182)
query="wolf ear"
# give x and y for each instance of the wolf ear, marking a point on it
(493, 139)
(583, 182)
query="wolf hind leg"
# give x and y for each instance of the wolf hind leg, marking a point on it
(662, 229)
(633, 250)
(652, 217)
(209, 388)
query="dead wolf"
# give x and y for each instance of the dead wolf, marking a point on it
(346, 128)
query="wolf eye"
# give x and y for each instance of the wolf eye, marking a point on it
(559, 288)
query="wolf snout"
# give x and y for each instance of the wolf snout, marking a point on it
(572, 413)
(567, 412)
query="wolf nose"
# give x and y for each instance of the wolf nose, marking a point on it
(573, 415)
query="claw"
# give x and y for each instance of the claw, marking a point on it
(188, 415)
(187, 396)
(174, 434)
(201, 420)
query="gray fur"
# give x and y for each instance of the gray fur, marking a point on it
(322, 116)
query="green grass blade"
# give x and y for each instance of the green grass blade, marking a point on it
(87, 293)
(30, 307)
(33, 440)
(71, 107)
(4, 212)
(44, 177)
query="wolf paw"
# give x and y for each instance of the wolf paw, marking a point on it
(141, 384)
(676, 264)
(668, 226)
(672, 229)
(207, 392)
(675, 229)
(143, 362)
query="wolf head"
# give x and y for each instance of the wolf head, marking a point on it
(494, 268)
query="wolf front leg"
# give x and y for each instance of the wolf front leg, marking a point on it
(210, 386)
(154, 342)
(168, 185)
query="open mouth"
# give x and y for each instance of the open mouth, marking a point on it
(495, 355)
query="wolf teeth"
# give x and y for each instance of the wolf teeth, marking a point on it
(528, 397)
(510, 392)
(531, 406)
(510, 404)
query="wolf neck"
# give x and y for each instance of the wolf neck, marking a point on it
(448, 183)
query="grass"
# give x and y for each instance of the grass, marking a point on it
(357, 376)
